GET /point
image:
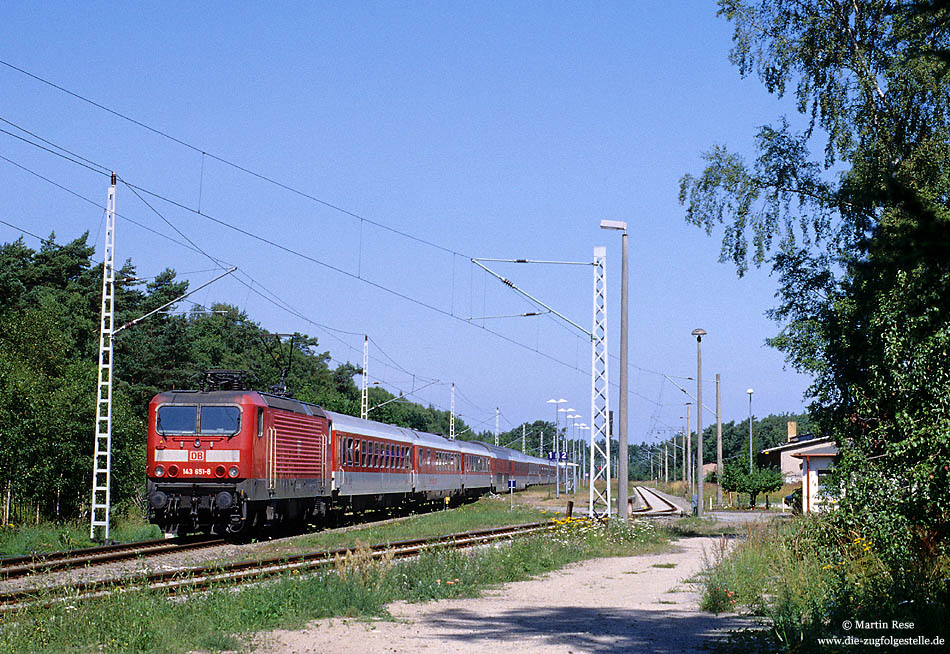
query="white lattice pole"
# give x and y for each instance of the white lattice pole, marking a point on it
(452, 414)
(364, 388)
(102, 437)
(599, 502)
(497, 412)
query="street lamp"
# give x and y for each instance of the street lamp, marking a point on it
(750, 391)
(622, 472)
(699, 333)
(555, 403)
(583, 450)
(688, 454)
(557, 454)
(571, 444)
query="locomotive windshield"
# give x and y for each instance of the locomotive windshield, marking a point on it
(177, 419)
(217, 420)
(220, 420)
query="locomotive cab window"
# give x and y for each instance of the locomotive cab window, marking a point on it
(177, 419)
(224, 420)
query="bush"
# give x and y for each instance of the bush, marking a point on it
(810, 576)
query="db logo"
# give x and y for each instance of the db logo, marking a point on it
(196, 455)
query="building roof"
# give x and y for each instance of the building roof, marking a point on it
(829, 450)
(797, 445)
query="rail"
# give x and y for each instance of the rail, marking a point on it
(251, 571)
(19, 566)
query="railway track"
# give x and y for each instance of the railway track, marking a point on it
(653, 503)
(203, 577)
(19, 566)
(12, 567)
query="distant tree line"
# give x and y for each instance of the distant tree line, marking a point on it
(767, 432)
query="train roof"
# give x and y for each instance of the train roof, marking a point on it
(343, 422)
(228, 397)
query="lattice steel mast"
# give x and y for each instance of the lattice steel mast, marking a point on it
(102, 437)
(599, 502)
(364, 388)
(452, 414)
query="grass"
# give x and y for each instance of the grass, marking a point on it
(806, 579)
(149, 622)
(694, 526)
(664, 565)
(483, 514)
(52, 537)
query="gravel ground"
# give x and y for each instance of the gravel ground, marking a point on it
(599, 606)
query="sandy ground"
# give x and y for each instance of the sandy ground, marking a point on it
(604, 605)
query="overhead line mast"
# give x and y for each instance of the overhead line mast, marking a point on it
(599, 502)
(364, 387)
(102, 438)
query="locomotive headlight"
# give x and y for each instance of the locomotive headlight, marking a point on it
(159, 471)
(233, 471)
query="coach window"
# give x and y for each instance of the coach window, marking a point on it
(362, 453)
(260, 422)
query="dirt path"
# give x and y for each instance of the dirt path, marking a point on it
(600, 606)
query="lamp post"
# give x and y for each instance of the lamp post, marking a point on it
(718, 442)
(699, 333)
(570, 448)
(556, 476)
(750, 391)
(583, 450)
(622, 472)
(557, 454)
(687, 453)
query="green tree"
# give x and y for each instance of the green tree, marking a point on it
(857, 238)
(738, 478)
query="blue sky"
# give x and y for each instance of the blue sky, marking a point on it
(502, 130)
